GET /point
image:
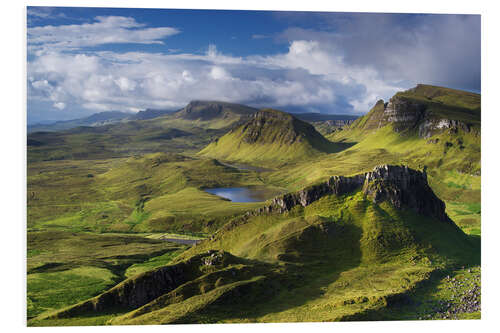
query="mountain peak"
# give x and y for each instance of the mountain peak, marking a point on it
(269, 135)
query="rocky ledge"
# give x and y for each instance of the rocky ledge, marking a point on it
(399, 185)
(408, 114)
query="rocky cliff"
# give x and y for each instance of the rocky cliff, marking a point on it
(401, 186)
(426, 110)
(407, 114)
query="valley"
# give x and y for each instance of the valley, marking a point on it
(377, 218)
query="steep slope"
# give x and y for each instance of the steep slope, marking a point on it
(427, 125)
(328, 252)
(425, 110)
(271, 136)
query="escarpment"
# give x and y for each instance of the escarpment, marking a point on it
(133, 292)
(400, 185)
(141, 289)
(425, 110)
(402, 113)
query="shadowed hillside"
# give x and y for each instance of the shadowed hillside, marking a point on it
(345, 247)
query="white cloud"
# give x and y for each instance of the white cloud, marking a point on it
(310, 76)
(125, 84)
(307, 77)
(105, 30)
(60, 105)
(219, 73)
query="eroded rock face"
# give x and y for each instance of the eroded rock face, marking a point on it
(404, 187)
(400, 185)
(403, 113)
(430, 127)
(143, 288)
(411, 115)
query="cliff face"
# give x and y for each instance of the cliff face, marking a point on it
(426, 110)
(339, 123)
(407, 114)
(403, 113)
(141, 289)
(131, 293)
(208, 110)
(400, 185)
(404, 187)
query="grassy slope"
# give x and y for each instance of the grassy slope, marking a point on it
(337, 257)
(271, 139)
(166, 133)
(447, 103)
(64, 268)
(158, 192)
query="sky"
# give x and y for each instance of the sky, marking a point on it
(87, 60)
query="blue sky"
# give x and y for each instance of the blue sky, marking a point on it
(87, 60)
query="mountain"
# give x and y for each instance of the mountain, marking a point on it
(348, 248)
(96, 119)
(269, 136)
(208, 110)
(426, 125)
(425, 109)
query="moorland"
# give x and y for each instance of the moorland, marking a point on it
(373, 218)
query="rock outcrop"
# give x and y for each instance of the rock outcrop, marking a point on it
(404, 187)
(426, 110)
(131, 293)
(431, 126)
(408, 114)
(400, 185)
(404, 114)
(339, 123)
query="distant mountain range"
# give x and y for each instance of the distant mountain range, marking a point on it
(98, 119)
(196, 110)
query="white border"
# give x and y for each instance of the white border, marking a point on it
(13, 139)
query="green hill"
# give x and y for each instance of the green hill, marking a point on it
(345, 248)
(270, 137)
(214, 114)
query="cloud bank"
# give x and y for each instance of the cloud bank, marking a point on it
(366, 58)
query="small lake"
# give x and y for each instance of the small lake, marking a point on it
(243, 194)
